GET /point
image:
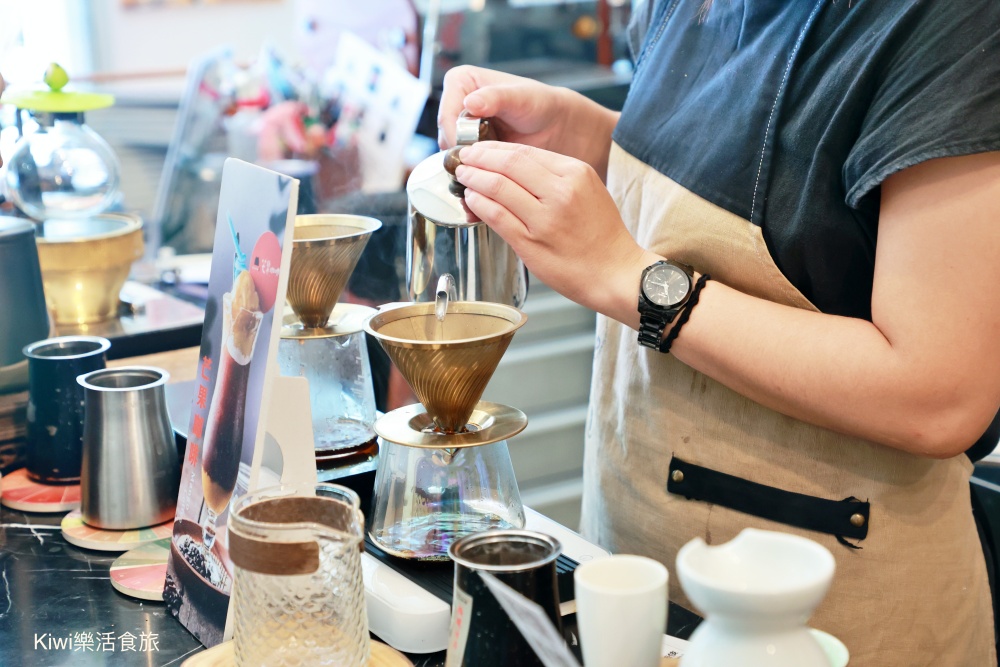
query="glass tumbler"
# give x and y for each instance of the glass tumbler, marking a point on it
(298, 596)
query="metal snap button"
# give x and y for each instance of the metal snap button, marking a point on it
(858, 520)
(677, 476)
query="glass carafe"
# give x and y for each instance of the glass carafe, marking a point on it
(298, 595)
(334, 359)
(62, 170)
(426, 499)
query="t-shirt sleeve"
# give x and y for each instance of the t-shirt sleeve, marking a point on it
(638, 26)
(938, 92)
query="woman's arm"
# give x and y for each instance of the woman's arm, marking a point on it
(923, 376)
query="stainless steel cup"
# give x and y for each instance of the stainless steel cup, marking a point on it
(482, 634)
(131, 471)
(55, 404)
(20, 290)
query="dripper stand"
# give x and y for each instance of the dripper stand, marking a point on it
(444, 469)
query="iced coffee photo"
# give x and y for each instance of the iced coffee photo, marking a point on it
(223, 442)
(230, 399)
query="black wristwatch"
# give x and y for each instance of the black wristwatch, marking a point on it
(664, 289)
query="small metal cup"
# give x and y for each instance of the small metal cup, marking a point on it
(55, 404)
(482, 634)
(131, 471)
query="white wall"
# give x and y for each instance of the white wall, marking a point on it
(138, 39)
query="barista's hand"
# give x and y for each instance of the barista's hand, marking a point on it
(527, 112)
(559, 218)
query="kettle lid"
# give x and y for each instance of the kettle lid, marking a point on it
(427, 190)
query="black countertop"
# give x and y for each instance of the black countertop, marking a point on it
(52, 592)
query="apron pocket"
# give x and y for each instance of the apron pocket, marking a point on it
(843, 519)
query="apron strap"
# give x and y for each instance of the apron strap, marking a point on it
(847, 518)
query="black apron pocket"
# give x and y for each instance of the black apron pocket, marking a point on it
(844, 519)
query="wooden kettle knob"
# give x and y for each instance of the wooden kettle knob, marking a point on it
(469, 130)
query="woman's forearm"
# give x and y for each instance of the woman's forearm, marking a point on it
(923, 375)
(836, 372)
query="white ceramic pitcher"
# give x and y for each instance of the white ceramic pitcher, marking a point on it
(756, 591)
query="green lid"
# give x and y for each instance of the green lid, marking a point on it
(55, 99)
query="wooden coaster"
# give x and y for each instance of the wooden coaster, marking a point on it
(21, 493)
(77, 533)
(141, 572)
(223, 655)
(384, 655)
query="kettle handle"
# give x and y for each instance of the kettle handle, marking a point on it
(469, 130)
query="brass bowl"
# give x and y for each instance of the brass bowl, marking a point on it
(85, 263)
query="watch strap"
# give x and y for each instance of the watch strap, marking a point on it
(651, 326)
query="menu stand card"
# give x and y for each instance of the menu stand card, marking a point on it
(240, 402)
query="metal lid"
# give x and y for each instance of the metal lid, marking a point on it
(505, 550)
(427, 190)
(345, 319)
(12, 229)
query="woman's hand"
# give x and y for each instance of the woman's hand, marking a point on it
(557, 215)
(528, 112)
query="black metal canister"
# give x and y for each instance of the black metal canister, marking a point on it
(56, 405)
(482, 634)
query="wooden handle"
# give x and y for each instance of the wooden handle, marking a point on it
(470, 129)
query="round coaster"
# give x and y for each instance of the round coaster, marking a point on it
(25, 495)
(223, 655)
(383, 655)
(80, 534)
(141, 572)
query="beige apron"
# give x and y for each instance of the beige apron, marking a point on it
(916, 593)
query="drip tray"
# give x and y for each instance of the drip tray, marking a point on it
(438, 577)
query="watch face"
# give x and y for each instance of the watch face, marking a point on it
(666, 285)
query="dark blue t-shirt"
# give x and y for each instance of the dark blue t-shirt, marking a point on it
(791, 113)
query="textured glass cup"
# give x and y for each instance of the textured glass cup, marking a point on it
(298, 596)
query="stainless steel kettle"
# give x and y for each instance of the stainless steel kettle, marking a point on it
(444, 238)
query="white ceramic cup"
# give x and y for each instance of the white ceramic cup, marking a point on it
(621, 610)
